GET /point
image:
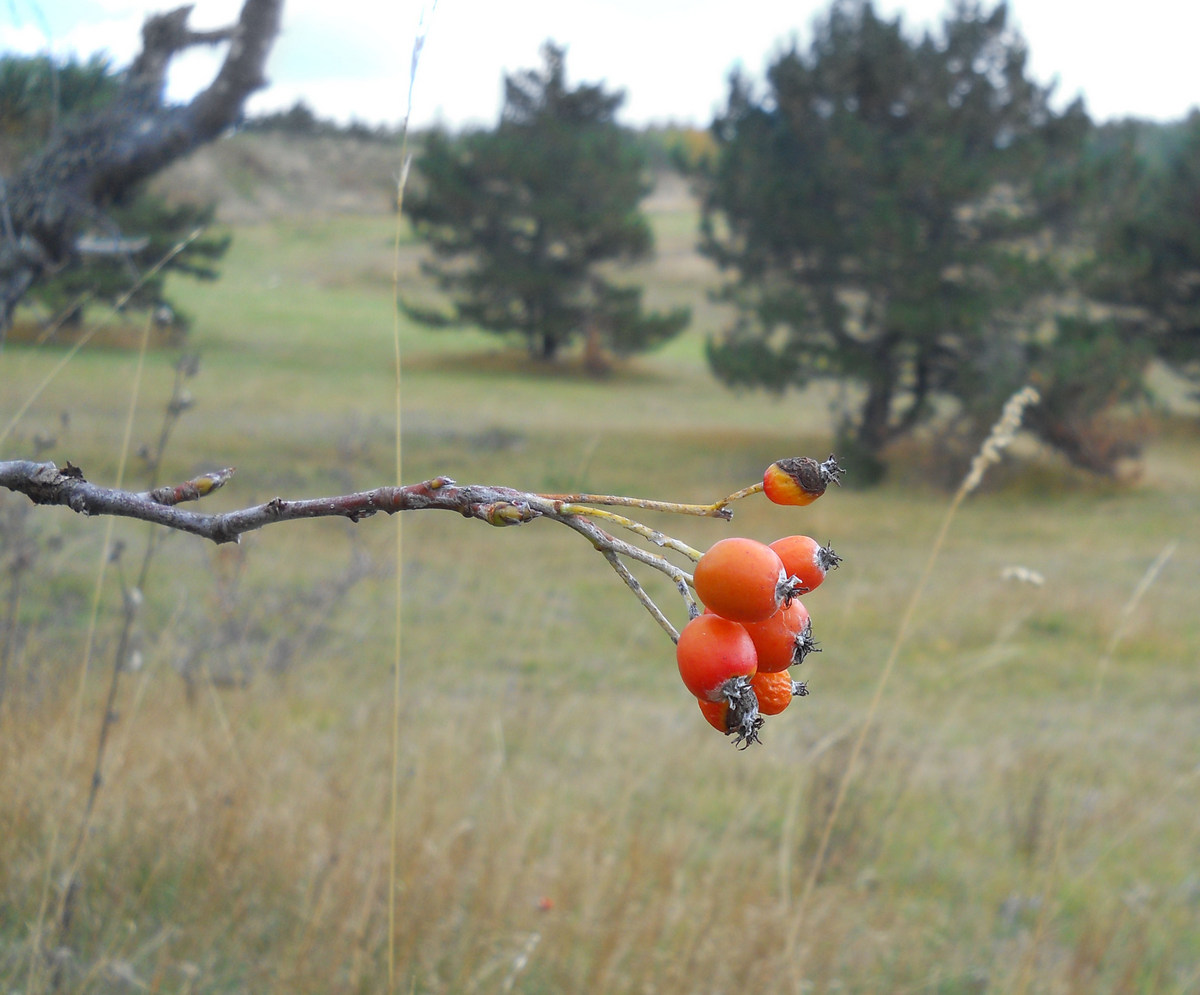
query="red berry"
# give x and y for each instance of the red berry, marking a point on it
(716, 712)
(742, 580)
(784, 639)
(799, 481)
(806, 559)
(711, 652)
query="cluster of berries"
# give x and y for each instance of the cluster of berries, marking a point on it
(736, 656)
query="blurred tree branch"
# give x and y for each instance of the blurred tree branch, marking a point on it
(93, 162)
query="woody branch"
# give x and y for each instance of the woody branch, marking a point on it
(47, 484)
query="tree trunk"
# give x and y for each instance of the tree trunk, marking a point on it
(874, 428)
(862, 444)
(547, 347)
(595, 359)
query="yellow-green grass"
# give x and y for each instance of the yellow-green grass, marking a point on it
(1022, 817)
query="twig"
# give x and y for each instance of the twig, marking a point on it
(46, 484)
(653, 535)
(639, 592)
(717, 510)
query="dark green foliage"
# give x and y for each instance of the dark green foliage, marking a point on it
(300, 120)
(520, 217)
(874, 208)
(152, 228)
(1083, 372)
(38, 96)
(1147, 262)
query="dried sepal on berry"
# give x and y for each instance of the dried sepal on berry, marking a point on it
(800, 480)
(734, 712)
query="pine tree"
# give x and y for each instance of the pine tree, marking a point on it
(520, 218)
(1148, 251)
(867, 208)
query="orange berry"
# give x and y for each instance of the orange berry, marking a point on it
(775, 691)
(711, 652)
(799, 480)
(784, 639)
(806, 559)
(742, 580)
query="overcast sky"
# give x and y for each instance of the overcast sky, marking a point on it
(351, 59)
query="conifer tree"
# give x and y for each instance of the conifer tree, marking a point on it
(521, 218)
(867, 208)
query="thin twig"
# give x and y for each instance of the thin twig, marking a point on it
(45, 483)
(639, 592)
(1126, 616)
(653, 535)
(717, 510)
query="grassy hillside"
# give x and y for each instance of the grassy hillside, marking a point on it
(1021, 817)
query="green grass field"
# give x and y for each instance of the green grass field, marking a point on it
(1021, 818)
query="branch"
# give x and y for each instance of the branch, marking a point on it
(46, 484)
(87, 166)
(795, 481)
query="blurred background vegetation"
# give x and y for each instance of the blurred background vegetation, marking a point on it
(1023, 815)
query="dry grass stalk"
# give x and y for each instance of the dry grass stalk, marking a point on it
(998, 440)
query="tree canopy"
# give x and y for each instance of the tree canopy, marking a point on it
(1147, 260)
(39, 97)
(869, 206)
(521, 218)
(97, 160)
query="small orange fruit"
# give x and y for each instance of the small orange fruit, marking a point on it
(784, 639)
(717, 713)
(799, 480)
(742, 580)
(775, 691)
(711, 652)
(806, 559)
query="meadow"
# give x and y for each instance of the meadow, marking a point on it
(1021, 816)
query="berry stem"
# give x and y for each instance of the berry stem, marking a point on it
(718, 509)
(654, 535)
(613, 547)
(738, 495)
(639, 592)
